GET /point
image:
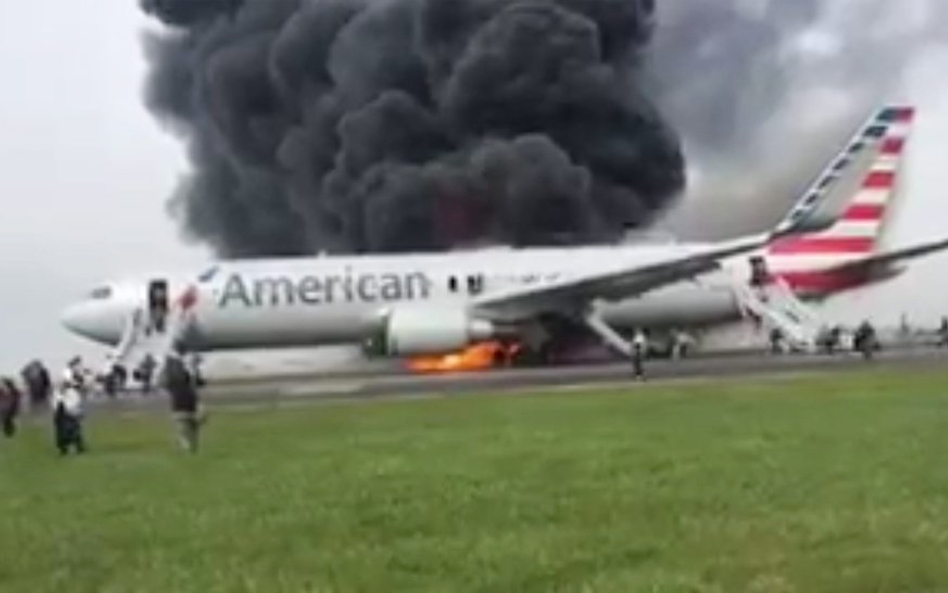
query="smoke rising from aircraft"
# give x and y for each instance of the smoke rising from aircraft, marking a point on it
(397, 125)
(764, 91)
(394, 125)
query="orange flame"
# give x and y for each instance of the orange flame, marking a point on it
(478, 357)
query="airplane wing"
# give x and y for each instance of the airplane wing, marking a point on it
(620, 282)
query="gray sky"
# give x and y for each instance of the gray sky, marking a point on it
(84, 170)
(85, 173)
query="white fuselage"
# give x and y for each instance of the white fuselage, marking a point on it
(339, 300)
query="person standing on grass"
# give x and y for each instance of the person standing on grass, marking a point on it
(9, 406)
(181, 385)
(67, 409)
(39, 385)
(864, 340)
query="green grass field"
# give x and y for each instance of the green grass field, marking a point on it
(821, 484)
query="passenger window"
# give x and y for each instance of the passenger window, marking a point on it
(475, 284)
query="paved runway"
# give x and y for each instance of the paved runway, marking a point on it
(290, 391)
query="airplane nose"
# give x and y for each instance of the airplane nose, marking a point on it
(76, 319)
(93, 321)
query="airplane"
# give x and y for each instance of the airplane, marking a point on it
(438, 303)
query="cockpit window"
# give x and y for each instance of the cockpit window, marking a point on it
(101, 293)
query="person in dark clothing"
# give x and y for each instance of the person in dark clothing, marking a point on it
(39, 386)
(776, 341)
(179, 381)
(145, 373)
(864, 340)
(830, 338)
(113, 381)
(9, 406)
(158, 307)
(760, 275)
(67, 422)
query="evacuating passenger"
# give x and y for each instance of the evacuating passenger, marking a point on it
(835, 337)
(776, 340)
(114, 379)
(158, 307)
(9, 406)
(145, 373)
(38, 384)
(829, 338)
(180, 383)
(67, 409)
(639, 345)
(760, 275)
(195, 362)
(679, 344)
(864, 340)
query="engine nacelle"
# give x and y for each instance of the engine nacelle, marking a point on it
(413, 331)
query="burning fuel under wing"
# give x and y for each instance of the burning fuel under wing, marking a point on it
(479, 357)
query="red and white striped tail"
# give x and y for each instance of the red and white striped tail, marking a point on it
(857, 233)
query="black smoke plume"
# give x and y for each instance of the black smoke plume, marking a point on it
(399, 125)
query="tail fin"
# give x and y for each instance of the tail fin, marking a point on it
(862, 183)
(863, 178)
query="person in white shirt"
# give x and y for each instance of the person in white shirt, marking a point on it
(67, 409)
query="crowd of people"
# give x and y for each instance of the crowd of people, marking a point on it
(180, 378)
(64, 401)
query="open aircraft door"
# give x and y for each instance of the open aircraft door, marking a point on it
(158, 304)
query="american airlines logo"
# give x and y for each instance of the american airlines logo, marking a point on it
(209, 274)
(276, 291)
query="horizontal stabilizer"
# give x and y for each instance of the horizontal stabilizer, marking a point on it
(891, 257)
(856, 272)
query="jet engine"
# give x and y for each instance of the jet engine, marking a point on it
(412, 331)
